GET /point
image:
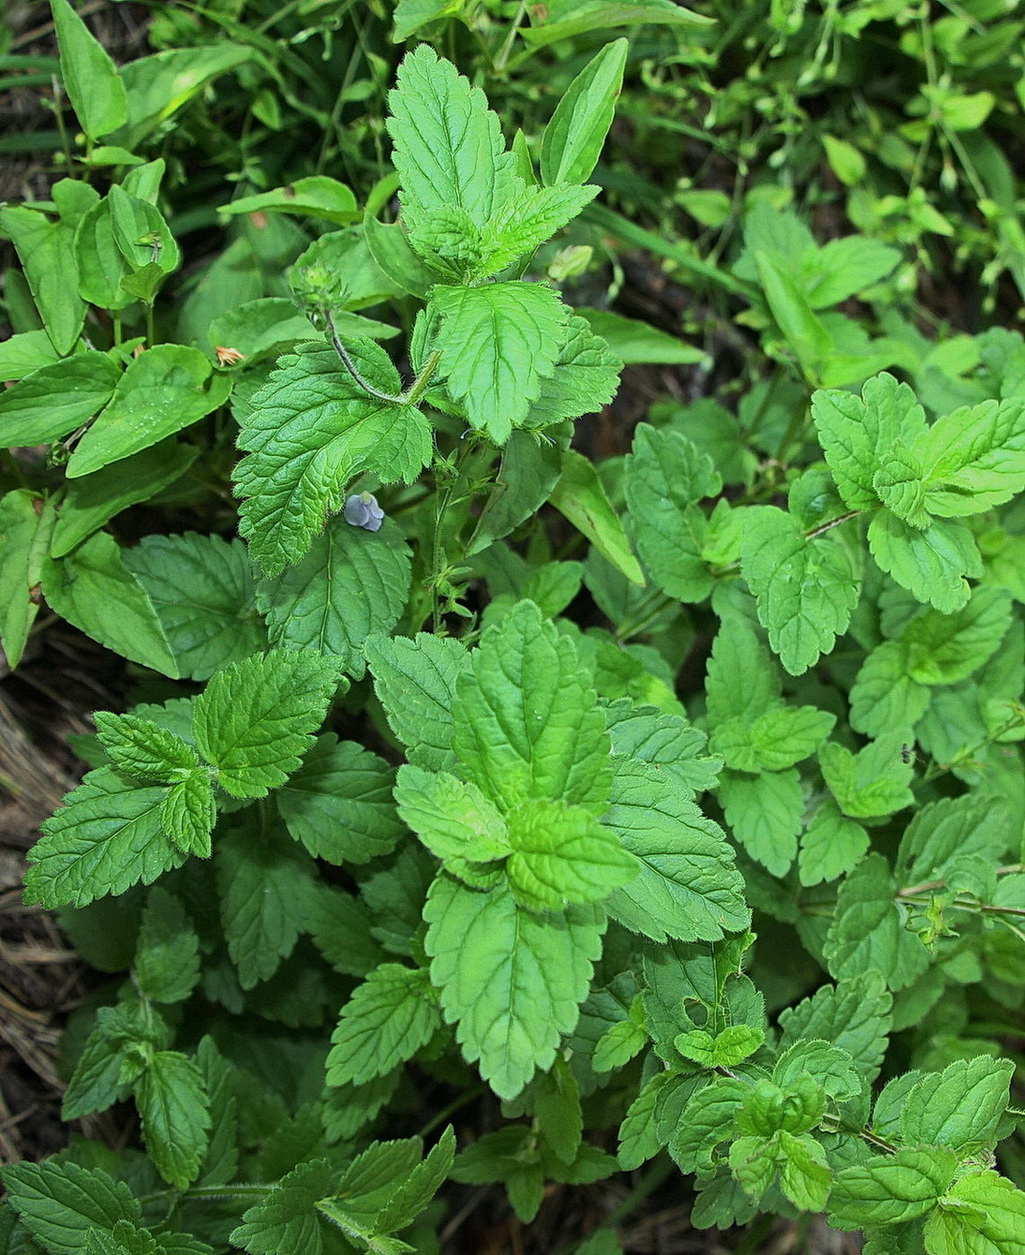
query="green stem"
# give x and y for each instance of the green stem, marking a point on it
(510, 39)
(350, 365)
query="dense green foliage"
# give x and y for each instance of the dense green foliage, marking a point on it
(666, 805)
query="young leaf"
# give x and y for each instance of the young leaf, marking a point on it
(511, 980)
(830, 1065)
(175, 1114)
(890, 1189)
(574, 137)
(107, 837)
(853, 1014)
(947, 648)
(872, 783)
(776, 740)
(167, 959)
(455, 820)
(974, 458)
(339, 803)
(804, 1175)
(981, 1211)
(142, 749)
(310, 430)
(933, 564)
(386, 1021)
(60, 1202)
(202, 590)
(255, 718)
(497, 343)
(189, 811)
(960, 1106)
(416, 683)
(351, 582)
(527, 724)
(530, 216)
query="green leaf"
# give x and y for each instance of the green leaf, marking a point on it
(558, 1113)
(455, 820)
(806, 588)
(159, 85)
(141, 748)
(59, 1202)
(175, 1114)
(802, 329)
(310, 430)
(24, 352)
(959, 1107)
(668, 742)
(527, 723)
(26, 522)
(872, 783)
(777, 739)
(634, 341)
(730, 1046)
(857, 433)
(830, 1065)
(981, 1212)
(144, 240)
(947, 830)
(890, 1189)
(90, 501)
(415, 680)
(266, 890)
(286, 1219)
(497, 342)
(189, 811)
(447, 144)
(843, 267)
(764, 814)
(737, 651)
(529, 471)
(317, 196)
(665, 475)
(974, 458)
(341, 930)
(255, 718)
(164, 390)
(167, 959)
(96, 1083)
(93, 589)
(102, 266)
(868, 929)
(511, 980)
(898, 484)
(804, 1175)
(525, 221)
(393, 254)
(932, 563)
(46, 251)
(573, 139)
(562, 855)
(585, 379)
(831, 845)
(854, 1014)
(707, 1121)
(203, 592)
(947, 648)
(884, 695)
(90, 77)
(350, 583)
(339, 803)
(563, 20)
(386, 1021)
(580, 497)
(410, 15)
(107, 837)
(688, 886)
(54, 400)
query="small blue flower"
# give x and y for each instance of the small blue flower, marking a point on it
(362, 510)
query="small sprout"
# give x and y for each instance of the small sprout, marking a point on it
(362, 510)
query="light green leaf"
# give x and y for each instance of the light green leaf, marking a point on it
(410, 15)
(884, 695)
(447, 144)
(351, 582)
(310, 430)
(562, 855)
(688, 886)
(563, 20)
(960, 1106)
(706, 1121)
(802, 329)
(580, 497)
(777, 739)
(107, 837)
(24, 352)
(529, 471)
(830, 1065)
(574, 137)
(59, 1202)
(843, 267)
(730, 1046)
(872, 783)
(932, 563)
(668, 742)
(868, 930)
(54, 400)
(804, 1175)
(385, 1022)
(634, 341)
(527, 723)
(585, 379)
(898, 485)
(164, 390)
(202, 590)
(455, 820)
(46, 251)
(317, 196)
(974, 458)
(526, 220)
(189, 811)
(764, 814)
(806, 588)
(497, 343)
(947, 648)
(255, 718)
(415, 681)
(141, 748)
(26, 523)
(831, 845)
(737, 652)
(982, 1213)
(339, 803)
(853, 1014)
(511, 980)
(889, 1189)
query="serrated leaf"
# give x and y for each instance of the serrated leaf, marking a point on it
(59, 1202)
(351, 583)
(804, 1174)
(167, 958)
(831, 845)
(949, 829)
(868, 930)
(142, 749)
(777, 739)
(688, 886)
(454, 819)
(668, 742)
(708, 1120)
(415, 680)
(175, 1114)
(202, 590)
(981, 1212)
(511, 981)
(853, 1014)
(447, 144)
(737, 651)
(884, 695)
(960, 1106)
(585, 379)
(310, 430)
(872, 783)
(385, 1022)
(560, 854)
(974, 458)
(764, 814)
(189, 811)
(411, 1195)
(805, 587)
(497, 343)
(526, 220)
(527, 723)
(255, 718)
(932, 564)
(830, 1065)
(286, 1219)
(665, 475)
(890, 1189)
(947, 648)
(106, 837)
